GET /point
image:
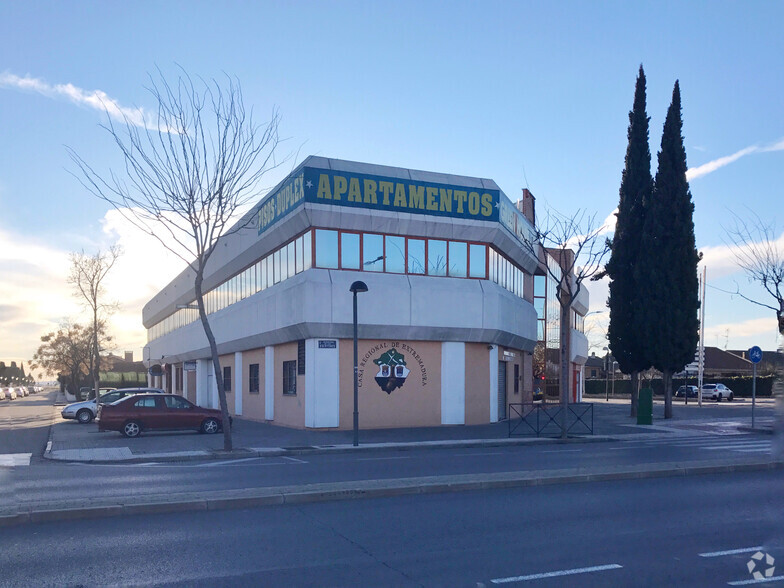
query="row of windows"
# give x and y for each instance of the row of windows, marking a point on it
(289, 260)
(348, 250)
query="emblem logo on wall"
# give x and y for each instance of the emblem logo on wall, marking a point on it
(392, 370)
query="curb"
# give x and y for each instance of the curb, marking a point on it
(326, 492)
(244, 453)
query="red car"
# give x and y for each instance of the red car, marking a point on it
(148, 412)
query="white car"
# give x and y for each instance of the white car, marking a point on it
(717, 392)
(85, 411)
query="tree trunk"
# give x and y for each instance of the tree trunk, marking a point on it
(564, 388)
(97, 362)
(667, 381)
(635, 385)
(227, 442)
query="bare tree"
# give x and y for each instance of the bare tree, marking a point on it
(87, 278)
(575, 244)
(188, 175)
(761, 256)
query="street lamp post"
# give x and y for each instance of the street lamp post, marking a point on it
(606, 374)
(357, 286)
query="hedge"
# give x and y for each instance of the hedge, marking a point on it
(740, 386)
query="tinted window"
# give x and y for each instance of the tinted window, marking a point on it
(373, 253)
(176, 402)
(326, 249)
(349, 250)
(396, 254)
(146, 402)
(436, 257)
(416, 256)
(458, 259)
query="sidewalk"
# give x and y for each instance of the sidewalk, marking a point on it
(71, 441)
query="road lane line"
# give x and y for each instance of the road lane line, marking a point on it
(562, 451)
(557, 574)
(731, 551)
(381, 458)
(294, 459)
(762, 581)
(475, 454)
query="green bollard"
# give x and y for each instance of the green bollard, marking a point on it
(645, 407)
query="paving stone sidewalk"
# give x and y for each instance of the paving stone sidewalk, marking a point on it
(71, 441)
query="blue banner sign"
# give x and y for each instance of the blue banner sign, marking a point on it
(341, 188)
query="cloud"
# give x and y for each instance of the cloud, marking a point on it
(706, 168)
(95, 99)
(36, 296)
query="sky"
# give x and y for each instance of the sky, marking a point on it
(530, 94)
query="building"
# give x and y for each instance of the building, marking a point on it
(447, 329)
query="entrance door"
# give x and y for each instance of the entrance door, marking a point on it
(501, 390)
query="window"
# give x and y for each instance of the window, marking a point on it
(458, 259)
(289, 377)
(436, 257)
(349, 251)
(145, 402)
(301, 357)
(308, 251)
(476, 261)
(326, 249)
(177, 403)
(178, 378)
(253, 378)
(291, 261)
(227, 378)
(416, 256)
(373, 253)
(395, 251)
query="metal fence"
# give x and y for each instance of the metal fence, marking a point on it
(541, 418)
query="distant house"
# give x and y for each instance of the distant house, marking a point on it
(595, 368)
(771, 360)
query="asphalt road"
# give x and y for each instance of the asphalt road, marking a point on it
(24, 423)
(694, 531)
(58, 481)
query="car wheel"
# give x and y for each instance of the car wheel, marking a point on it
(731, 397)
(210, 426)
(718, 397)
(132, 429)
(84, 416)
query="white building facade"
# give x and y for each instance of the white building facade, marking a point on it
(447, 328)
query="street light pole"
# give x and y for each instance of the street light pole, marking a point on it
(357, 286)
(606, 375)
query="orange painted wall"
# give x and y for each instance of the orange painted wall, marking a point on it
(416, 403)
(252, 404)
(477, 384)
(289, 410)
(228, 361)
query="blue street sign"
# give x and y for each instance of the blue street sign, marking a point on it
(755, 354)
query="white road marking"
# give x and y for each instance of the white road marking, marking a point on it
(15, 459)
(557, 574)
(563, 451)
(762, 581)
(732, 551)
(381, 458)
(475, 454)
(294, 459)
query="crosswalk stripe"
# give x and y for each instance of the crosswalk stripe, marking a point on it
(15, 459)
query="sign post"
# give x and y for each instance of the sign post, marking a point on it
(755, 356)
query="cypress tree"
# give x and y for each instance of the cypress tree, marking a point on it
(669, 258)
(635, 192)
